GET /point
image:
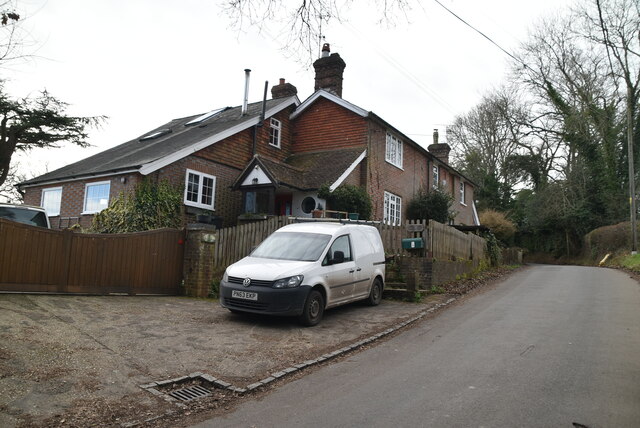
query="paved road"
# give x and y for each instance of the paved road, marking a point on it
(550, 347)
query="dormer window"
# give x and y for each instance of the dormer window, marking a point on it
(393, 153)
(275, 129)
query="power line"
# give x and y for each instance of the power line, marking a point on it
(403, 70)
(482, 34)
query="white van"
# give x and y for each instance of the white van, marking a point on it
(302, 269)
(27, 214)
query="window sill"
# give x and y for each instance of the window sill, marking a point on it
(393, 164)
(274, 146)
(201, 206)
(463, 204)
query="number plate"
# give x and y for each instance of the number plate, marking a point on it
(246, 295)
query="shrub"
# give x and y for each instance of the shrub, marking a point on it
(349, 198)
(431, 205)
(500, 225)
(150, 206)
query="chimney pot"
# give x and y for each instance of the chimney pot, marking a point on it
(282, 81)
(326, 50)
(435, 136)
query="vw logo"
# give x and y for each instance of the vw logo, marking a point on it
(246, 282)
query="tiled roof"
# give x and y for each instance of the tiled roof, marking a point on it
(308, 171)
(177, 136)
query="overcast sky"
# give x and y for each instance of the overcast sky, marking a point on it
(145, 62)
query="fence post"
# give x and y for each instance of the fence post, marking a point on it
(67, 244)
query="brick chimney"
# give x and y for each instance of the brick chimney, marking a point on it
(439, 150)
(283, 90)
(329, 68)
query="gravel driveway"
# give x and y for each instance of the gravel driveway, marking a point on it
(86, 356)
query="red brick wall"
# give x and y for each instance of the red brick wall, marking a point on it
(72, 202)
(326, 125)
(383, 176)
(465, 211)
(416, 173)
(227, 203)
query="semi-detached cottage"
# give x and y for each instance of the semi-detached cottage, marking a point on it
(263, 158)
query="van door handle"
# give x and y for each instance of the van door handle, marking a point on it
(352, 271)
(359, 269)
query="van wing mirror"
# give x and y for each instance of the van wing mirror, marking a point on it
(338, 257)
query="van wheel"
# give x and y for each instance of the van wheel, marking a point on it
(313, 309)
(375, 296)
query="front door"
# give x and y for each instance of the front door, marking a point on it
(283, 204)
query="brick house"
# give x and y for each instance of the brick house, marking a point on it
(266, 157)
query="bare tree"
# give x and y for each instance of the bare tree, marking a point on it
(302, 21)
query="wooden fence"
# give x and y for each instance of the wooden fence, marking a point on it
(448, 243)
(234, 243)
(34, 259)
(445, 242)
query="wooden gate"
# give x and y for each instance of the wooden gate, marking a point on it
(33, 259)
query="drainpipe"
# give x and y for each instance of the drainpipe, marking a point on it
(260, 120)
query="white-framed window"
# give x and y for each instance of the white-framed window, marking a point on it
(393, 153)
(392, 209)
(199, 189)
(462, 195)
(436, 176)
(275, 132)
(51, 199)
(96, 197)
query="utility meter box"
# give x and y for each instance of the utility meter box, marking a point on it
(412, 243)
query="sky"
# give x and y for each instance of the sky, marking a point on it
(142, 63)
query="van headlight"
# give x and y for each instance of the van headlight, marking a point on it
(290, 282)
(225, 277)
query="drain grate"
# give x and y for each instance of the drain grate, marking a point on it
(190, 393)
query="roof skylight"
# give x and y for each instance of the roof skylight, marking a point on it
(155, 134)
(205, 116)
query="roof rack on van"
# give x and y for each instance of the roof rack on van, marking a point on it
(332, 220)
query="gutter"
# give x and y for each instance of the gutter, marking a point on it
(76, 177)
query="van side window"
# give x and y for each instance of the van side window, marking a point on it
(341, 243)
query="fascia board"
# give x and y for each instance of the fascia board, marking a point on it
(334, 98)
(77, 177)
(155, 165)
(348, 171)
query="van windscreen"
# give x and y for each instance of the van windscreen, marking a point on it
(306, 247)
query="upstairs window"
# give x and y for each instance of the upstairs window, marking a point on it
(462, 196)
(96, 197)
(392, 209)
(51, 200)
(393, 153)
(199, 190)
(275, 129)
(436, 176)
